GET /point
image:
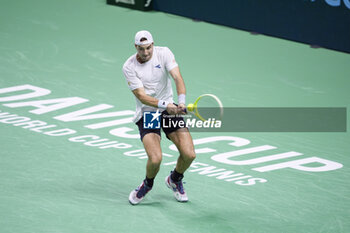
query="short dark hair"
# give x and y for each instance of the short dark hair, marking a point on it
(143, 39)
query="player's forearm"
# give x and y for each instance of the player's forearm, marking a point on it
(180, 86)
(180, 89)
(179, 82)
(148, 100)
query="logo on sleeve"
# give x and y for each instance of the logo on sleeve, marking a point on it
(158, 66)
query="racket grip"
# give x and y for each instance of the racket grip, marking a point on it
(178, 105)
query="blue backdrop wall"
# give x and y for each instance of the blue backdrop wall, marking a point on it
(325, 23)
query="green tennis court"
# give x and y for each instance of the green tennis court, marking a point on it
(71, 173)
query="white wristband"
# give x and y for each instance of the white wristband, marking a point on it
(162, 104)
(181, 99)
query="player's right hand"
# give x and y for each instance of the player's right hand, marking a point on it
(182, 109)
(172, 109)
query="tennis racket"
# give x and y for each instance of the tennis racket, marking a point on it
(207, 106)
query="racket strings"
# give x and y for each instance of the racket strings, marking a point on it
(209, 108)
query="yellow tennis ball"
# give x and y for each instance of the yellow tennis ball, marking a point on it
(190, 107)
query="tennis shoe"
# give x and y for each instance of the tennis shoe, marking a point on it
(178, 189)
(139, 193)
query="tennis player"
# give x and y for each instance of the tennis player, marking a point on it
(147, 75)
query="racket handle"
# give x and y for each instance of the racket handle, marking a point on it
(185, 108)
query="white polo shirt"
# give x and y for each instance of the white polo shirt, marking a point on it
(153, 76)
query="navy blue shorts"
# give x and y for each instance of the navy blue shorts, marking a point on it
(166, 118)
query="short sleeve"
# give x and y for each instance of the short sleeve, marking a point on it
(169, 59)
(133, 81)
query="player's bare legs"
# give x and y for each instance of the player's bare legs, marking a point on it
(183, 141)
(151, 143)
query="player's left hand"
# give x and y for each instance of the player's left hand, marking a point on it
(182, 109)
